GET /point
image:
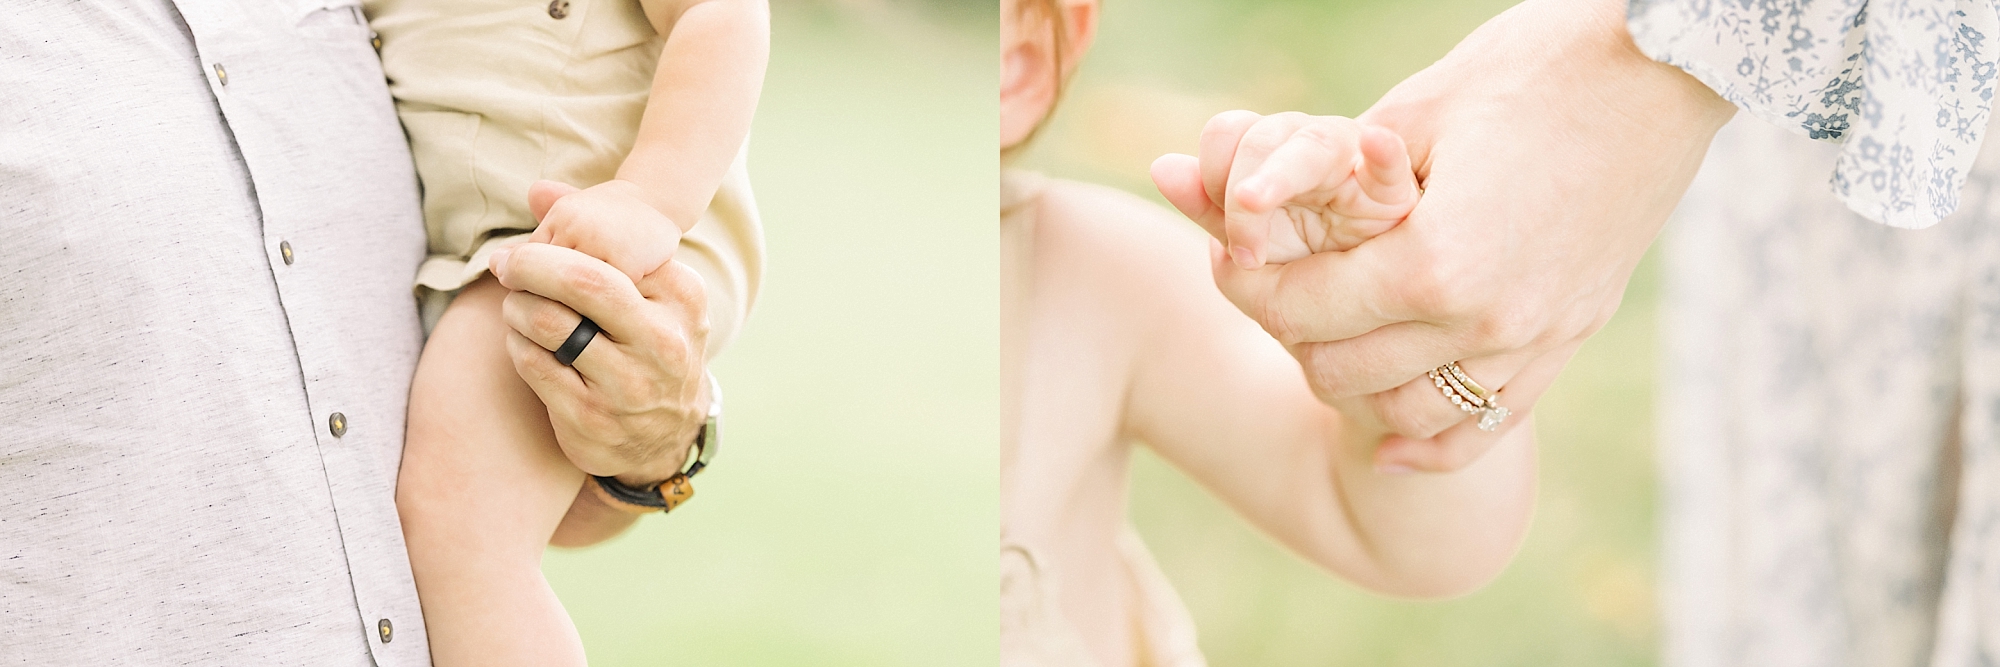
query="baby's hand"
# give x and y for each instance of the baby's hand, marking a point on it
(610, 221)
(1277, 188)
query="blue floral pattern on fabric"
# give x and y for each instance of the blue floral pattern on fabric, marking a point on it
(1829, 420)
(1904, 85)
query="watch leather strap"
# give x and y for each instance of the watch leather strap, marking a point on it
(675, 490)
(661, 497)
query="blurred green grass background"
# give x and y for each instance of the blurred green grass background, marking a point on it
(850, 518)
(1582, 590)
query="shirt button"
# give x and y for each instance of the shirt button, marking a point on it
(221, 75)
(558, 9)
(375, 40)
(385, 629)
(285, 250)
(337, 424)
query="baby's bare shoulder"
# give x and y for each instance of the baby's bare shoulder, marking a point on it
(1094, 225)
(1109, 257)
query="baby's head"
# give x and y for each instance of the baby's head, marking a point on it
(1040, 44)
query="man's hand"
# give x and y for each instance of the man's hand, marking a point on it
(1551, 151)
(633, 401)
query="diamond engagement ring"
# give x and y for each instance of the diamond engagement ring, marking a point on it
(1469, 396)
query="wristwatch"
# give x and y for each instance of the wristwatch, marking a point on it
(669, 494)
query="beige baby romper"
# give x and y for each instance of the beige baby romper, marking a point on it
(496, 94)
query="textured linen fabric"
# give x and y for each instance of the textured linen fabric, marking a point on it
(171, 492)
(1830, 421)
(496, 94)
(1904, 86)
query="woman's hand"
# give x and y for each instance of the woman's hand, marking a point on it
(1551, 151)
(633, 401)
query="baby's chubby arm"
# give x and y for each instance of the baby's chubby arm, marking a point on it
(1214, 394)
(1277, 188)
(697, 116)
(704, 93)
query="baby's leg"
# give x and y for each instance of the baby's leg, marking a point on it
(483, 486)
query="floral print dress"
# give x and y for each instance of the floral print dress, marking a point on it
(1830, 417)
(1903, 86)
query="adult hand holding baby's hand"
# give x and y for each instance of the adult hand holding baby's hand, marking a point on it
(632, 402)
(1278, 188)
(1551, 151)
(611, 221)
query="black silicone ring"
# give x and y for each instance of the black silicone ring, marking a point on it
(585, 332)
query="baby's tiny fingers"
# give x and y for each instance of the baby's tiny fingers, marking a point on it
(1219, 139)
(1350, 232)
(609, 222)
(1317, 156)
(542, 196)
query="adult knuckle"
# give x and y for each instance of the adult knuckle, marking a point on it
(1507, 329)
(585, 279)
(1427, 287)
(1329, 381)
(549, 322)
(513, 308)
(529, 367)
(1280, 325)
(687, 286)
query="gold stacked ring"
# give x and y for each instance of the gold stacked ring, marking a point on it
(1469, 396)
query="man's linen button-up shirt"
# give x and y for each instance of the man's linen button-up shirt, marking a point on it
(209, 226)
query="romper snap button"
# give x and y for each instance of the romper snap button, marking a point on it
(558, 9)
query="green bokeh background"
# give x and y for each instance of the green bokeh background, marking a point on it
(850, 518)
(1582, 590)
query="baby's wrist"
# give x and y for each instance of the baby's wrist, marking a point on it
(655, 198)
(635, 190)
